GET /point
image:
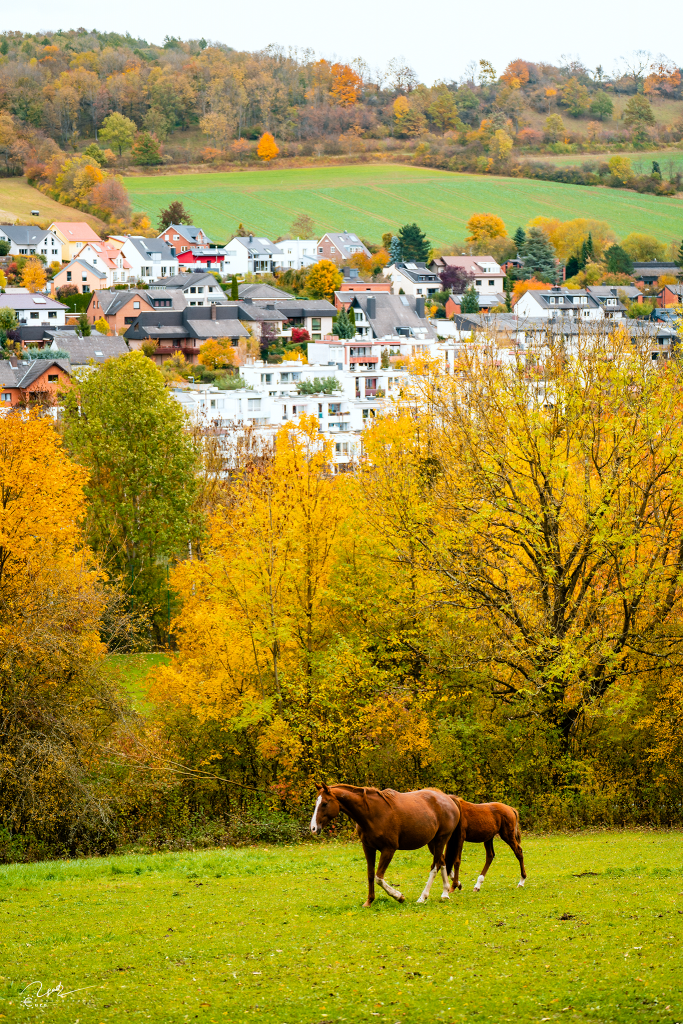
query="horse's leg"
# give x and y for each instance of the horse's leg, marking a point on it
(370, 858)
(512, 837)
(446, 882)
(460, 833)
(490, 854)
(384, 862)
(434, 850)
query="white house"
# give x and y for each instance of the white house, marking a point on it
(30, 241)
(149, 258)
(559, 302)
(251, 255)
(297, 253)
(35, 309)
(412, 279)
(486, 275)
(199, 289)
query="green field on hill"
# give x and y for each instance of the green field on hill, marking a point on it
(377, 198)
(278, 935)
(669, 160)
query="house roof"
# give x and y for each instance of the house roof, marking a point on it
(567, 297)
(417, 272)
(345, 241)
(147, 246)
(393, 312)
(86, 266)
(187, 231)
(30, 300)
(262, 291)
(612, 291)
(255, 246)
(27, 373)
(190, 322)
(96, 348)
(109, 254)
(470, 264)
(75, 230)
(184, 281)
(664, 265)
(113, 300)
(23, 234)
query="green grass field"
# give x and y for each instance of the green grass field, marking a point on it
(669, 160)
(377, 198)
(131, 672)
(278, 935)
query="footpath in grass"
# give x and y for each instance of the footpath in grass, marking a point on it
(278, 935)
(377, 198)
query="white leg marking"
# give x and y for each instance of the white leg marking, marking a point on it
(389, 889)
(480, 882)
(314, 827)
(425, 892)
(520, 884)
(445, 895)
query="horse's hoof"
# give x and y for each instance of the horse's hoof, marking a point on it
(520, 885)
(422, 899)
(445, 896)
(476, 888)
(401, 899)
(368, 903)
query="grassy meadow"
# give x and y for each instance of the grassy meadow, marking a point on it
(669, 160)
(18, 198)
(376, 198)
(278, 935)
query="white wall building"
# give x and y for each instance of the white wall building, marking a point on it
(559, 302)
(149, 259)
(251, 255)
(30, 241)
(486, 275)
(35, 309)
(413, 279)
(297, 253)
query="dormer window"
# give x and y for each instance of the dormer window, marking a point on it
(551, 300)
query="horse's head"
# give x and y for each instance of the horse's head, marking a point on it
(326, 808)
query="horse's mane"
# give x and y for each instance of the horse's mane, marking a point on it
(364, 790)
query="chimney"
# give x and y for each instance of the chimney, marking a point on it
(371, 307)
(213, 310)
(420, 307)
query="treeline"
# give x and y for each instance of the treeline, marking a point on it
(491, 603)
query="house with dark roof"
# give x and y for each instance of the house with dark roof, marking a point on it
(184, 237)
(90, 351)
(37, 382)
(149, 259)
(185, 330)
(26, 240)
(260, 292)
(413, 279)
(120, 308)
(649, 272)
(199, 288)
(557, 302)
(251, 255)
(670, 295)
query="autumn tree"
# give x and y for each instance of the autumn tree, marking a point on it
(128, 431)
(454, 279)
(345, 86)
(575, 97)
(554, 129)
(267, 148)
(500, 147)
(102, 326)
(119, 130)
(146, 150)
(483, 227)
(641, 247)
(33, 275)
(175, 213)
(638, 112)
(303, 226)
(216, 353)
(323, 280)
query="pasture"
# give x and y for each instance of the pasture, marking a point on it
(278, 935)
(18, 198)
(376, 198)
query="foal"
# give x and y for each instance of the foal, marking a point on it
(387, 821)
(481, 823)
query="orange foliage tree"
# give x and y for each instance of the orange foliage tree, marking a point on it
(33, 275)
(216, 353)
(267, 148)
(346, 85)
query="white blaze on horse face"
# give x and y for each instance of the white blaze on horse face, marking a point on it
(314, 827)
(480, 882)
(425, 892)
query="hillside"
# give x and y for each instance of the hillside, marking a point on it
(373, 199)
(18, 198)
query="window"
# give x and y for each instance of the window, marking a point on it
(254, 405)
(478, 283)
(86, 289)
(53, 378)
(341, 448)
(176, 238)
(129, 319)
(35, 316)
(6, 396)
(52, 314)
(84, 277)
(266, 378)
(320, 249)
(492, 284)
(199, 290)
(68, 275)
(315, 323)
(136, 305)
(551, 300)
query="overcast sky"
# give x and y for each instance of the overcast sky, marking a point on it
(437, 39)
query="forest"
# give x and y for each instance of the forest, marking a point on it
(491, 603)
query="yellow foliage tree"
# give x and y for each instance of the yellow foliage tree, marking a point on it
(33, 275)
(102, 326)
(216, 353)
(323, 279)
(267, 148)
(567, 236)
(484, 226)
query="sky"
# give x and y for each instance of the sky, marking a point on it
(437, 41)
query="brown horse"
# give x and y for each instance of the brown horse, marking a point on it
(387, 821)
(481, 823)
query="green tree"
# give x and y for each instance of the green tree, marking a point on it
(84, 325)
(175, 213)
(384, 360)
(618, 260)
(575, 97)
(470, 301)
(343, 326)
(146, 151)
(638, 112)
(414, 244)
(234, 289)
(94, 151)
(119, 131)
(519, 238)
(554, 128)
(8, 319)
(539, 255)
(319, 386)
(679, 257)
(572, 268)
(125, 427)
(443, 112)
(395, 252)
(601, 106)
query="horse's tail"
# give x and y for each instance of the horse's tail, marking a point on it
(518, 833)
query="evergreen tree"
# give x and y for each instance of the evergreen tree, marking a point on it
(656, 171)
(395, 252)
(508, 295)
(234, 291)
(589, 247)
(470, 301)
(146, 150)
(519, 238)
(619, 261)
(582, 255)
(343, 327)
(414, 245)
(84, 325)
(539, 255)
(572, 266)
(679, 256)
